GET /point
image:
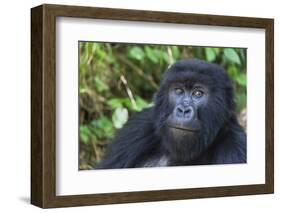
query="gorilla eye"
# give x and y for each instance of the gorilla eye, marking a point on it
(198, 93)
(179, 91)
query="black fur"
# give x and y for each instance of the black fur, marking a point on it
(145, 137)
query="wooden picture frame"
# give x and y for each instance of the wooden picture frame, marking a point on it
(43, 105)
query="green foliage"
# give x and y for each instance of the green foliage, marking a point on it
(100, 85)
(119, 117)
(211, 54)
(136, 53)
(85, 134)
(231, 55)
(118, 80)
(102, 128)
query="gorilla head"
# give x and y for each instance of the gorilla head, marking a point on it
(194, 102)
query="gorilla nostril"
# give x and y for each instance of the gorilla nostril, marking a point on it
(184, 112)
(180, 112)
(187, 112)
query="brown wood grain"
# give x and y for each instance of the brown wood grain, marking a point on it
(36, 106)
(43, 105)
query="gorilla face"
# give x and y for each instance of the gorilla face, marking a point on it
(185, 100)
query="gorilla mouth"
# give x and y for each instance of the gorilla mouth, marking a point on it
(184, 128)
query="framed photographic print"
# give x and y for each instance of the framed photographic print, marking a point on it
(136, 106)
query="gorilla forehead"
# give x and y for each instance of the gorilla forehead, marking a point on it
(195, 71)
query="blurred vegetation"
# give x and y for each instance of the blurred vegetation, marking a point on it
(117, 80)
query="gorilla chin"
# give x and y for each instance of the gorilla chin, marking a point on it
(182, 143)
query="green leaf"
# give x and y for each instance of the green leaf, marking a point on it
(216, 50)
(114, 103)
(231, 55)
(107, 127)
(210, 54)
(136, 53)
(127, 102)
(102, 122)
(90, 49)
(100, 85)
(99, 133)
(103, 127)
(85, 134)
(241, 79)
(233, 72)
(141, 103)
(166, 57)
(151, 54)
(120, 117)
(176, 52)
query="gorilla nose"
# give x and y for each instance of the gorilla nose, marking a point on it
(185, 112)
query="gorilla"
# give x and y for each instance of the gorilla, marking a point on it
(192, 122)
